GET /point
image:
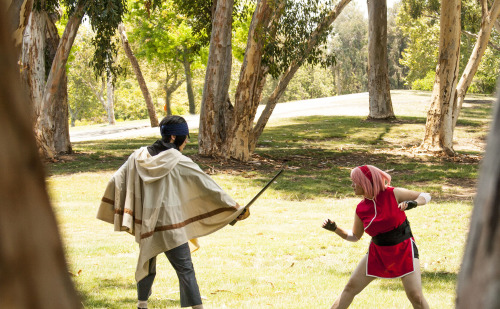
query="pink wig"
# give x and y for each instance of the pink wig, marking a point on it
(371, 179)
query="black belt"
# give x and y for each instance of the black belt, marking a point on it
(394, 237)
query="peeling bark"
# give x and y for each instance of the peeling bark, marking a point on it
(438, 134)
(213, 137)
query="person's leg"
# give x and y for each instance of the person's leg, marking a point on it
(413, 287)
(145, 284)
(180, 258)
(358, 281)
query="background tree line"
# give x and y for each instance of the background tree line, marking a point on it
(412, 56)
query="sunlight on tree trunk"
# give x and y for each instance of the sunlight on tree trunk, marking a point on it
(32, 264)
(479, 278)
(153, 119)
(379, 87)
(439, 126)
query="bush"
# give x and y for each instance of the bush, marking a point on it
(425, 83)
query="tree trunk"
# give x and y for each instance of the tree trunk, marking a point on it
(250, 85)
(439, 126)
(189, 82)
(46, 125)
(18, 15)
(170, 87)
(338, 81)
(225, 131)
(110, 97)
(168, 102)
(213, 139)
(33, 60)
(487, 22)
(60, 116)
(379, 87)
(32, 263)
(479, 278)
(285, 79)
(153, 119)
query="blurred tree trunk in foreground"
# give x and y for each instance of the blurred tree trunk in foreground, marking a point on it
(33, 269)
(479, 279)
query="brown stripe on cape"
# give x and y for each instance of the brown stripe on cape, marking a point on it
(186, 222)
(107, 200)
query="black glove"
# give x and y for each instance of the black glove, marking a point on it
(410, 204)
(330, 225)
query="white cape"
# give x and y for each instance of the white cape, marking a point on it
(164, 201)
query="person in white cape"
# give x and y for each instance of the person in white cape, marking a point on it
(166, 201)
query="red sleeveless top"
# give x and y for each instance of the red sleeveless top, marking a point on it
(382, 215)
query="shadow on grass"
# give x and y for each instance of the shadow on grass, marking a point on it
(318, 153)
(93, 299)
(431, 280)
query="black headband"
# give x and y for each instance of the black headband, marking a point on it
(175, 129)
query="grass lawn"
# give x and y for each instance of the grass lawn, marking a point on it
(280, 257)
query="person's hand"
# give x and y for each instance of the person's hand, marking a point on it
(329, 225)
(245, 214)
(407, 205)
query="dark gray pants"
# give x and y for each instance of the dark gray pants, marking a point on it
(180, 258)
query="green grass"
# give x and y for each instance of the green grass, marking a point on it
(280, 257)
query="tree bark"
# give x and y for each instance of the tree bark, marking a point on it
(479, 278)
(32, 263)
(487, 22)
(170, 87)
(250, 85)
(62, 143)
(189, 81)
(153, 119)
(213, 139)
(46, 125)
(110, 97)
(18, 15)
(226, 131)
(379, 87)
(439, 126)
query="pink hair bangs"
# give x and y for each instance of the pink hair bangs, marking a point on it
(380, 180)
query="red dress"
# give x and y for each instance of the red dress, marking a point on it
(382, 215)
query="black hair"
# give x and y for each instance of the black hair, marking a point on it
(173, 119)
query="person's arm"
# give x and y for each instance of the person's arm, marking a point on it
(408, 199)
(349, 235)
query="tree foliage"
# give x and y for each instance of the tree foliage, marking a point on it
(287, 43)
(419, 21)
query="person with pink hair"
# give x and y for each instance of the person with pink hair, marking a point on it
(392, 253)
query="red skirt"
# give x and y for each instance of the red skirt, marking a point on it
(390, 261)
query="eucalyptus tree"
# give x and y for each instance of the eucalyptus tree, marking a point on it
(442, 119)
(33, 268)
(283, 35)
(379, 87)
(138, 73)
(166, 37)
(50, 74)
